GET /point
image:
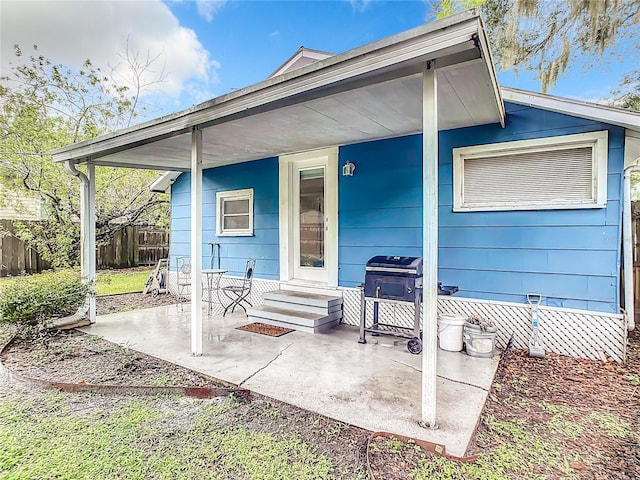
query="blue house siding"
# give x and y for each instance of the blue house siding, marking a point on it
(571, 257)
(262, 176)
(380, 207)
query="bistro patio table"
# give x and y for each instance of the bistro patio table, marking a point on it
(213, 283)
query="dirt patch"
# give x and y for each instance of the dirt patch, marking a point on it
(106, 304)
(73, 357)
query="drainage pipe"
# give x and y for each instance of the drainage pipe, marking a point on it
(627, 242)
(87, 232)
(84, 210)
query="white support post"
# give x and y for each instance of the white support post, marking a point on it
(429, 242)
(91, 241)
(196, 242)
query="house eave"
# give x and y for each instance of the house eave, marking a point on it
(164, 182)
(400, 55)
(593, 111)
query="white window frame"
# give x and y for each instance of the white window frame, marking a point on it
(221, 197)
(598, 141)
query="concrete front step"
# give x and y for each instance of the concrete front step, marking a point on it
(295, 298)
(303, 308)
(295, 319)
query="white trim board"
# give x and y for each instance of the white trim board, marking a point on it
(592, 111)
(286, 163)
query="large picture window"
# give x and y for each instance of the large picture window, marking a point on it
(546, 173)
(234, 213)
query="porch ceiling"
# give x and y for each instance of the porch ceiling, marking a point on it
(369, 93)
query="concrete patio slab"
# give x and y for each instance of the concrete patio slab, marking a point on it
(374, 386)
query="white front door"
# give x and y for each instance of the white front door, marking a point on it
(308, 226)
(308, 217)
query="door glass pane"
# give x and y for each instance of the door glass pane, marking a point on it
(312, 217)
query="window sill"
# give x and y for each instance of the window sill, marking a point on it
(235, 234)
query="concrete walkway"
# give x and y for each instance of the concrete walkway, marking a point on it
(374, 386)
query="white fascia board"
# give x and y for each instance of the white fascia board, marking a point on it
(164, 181)
(483, 44)
(421, 43)
(601, 113)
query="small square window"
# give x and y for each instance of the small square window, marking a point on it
(234, 213)
(564, 172)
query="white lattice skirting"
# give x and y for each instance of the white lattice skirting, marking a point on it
(577, 333)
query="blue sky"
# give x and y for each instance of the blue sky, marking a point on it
(210, 48)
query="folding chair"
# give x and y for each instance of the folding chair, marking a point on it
(238, 294)
(183, 278)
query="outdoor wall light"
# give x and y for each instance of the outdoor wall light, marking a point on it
(348, 169)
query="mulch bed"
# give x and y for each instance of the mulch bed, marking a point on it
(583, 385)
(264, 329)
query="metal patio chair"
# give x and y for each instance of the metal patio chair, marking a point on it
(183, 279)
(238, 295)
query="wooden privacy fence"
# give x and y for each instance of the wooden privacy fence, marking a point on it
(15, 256)
(134, 246)
(131, 247)
(153, 244)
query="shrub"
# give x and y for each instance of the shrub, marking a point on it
(37, 298)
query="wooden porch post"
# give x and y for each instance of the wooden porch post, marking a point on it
(196, 242)
(429, 241)
(91, 241)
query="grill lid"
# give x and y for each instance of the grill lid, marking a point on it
(395, 264)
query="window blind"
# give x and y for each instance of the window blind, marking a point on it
(553, 176)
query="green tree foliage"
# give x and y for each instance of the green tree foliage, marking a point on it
(44, 106)
(628, 96)
(545, 35)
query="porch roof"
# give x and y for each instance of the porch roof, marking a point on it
(368, 93)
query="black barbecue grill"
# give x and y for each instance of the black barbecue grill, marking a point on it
(392, 279)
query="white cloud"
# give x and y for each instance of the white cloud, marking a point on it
(209, 8)
(69, 32)
(274, 34)
(359, 5)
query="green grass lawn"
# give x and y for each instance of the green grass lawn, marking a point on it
(108, 282)
(148, 437)
(6, 281)
(111, 282)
